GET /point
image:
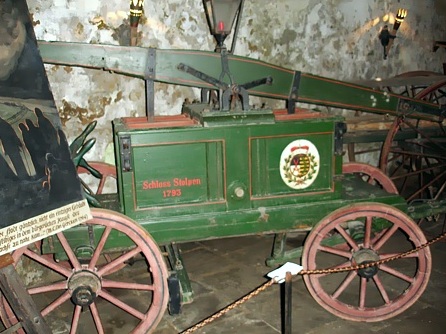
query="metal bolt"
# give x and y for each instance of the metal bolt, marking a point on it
(239, 192)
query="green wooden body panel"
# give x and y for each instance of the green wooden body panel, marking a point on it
(183, 181)
(162, 66)
(280, 218)
(178, 171)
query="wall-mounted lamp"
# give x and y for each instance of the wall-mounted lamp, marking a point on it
(386, 37)
(400, 16)
(220, 15)
(136, 8)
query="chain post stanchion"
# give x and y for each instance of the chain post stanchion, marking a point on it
(288, 307)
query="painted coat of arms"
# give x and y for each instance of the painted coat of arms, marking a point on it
(299, 164)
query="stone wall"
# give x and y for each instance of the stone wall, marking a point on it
(333, 38)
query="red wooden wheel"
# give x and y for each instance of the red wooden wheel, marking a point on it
(371, 175)
(431, 90)
(107, 171)
(373, 231)
(416, 163)
(66, 294)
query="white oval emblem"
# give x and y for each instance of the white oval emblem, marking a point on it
(299, 164)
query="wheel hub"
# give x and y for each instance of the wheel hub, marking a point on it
(84, 286)
(364, 256)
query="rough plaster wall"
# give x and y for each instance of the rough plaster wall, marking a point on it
(334, 38)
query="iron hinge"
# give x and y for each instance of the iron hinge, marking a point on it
(340, 129)
(126, 153)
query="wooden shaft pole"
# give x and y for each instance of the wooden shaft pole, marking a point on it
(19, 299)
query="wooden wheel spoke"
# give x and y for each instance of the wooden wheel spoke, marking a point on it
(426, 136)
(341, 265)
(382, 291)
(101, 185)
(396, 273)
(384, 256)
(440, 191)
(362, 292)
(75, 320)
(399, 166)
(99, 248)
(125, 307)
(345, 283)
(48, 263)
(347, 238)
(67, 248)
(107, 172)
(335, 251)
(425, 186)
(420, 171)
(126, 285)
(96, 318)
(385, 237)
(47, 288)
(118, 261)
(367, 231)
(377, 236)
(56, 303)
(395, 150)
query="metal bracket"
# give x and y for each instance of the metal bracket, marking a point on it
(407, 107)
(176, 263)
(202, 76)
(252, 84)
(225, 66)
(150, 85)
(225, 90)
(173, 284)
(151, 64)
(294, 93)
(126, 153)
(205, 98)
(226, 99)
(339, 131)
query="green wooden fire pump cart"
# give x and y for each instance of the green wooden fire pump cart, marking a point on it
(220, 169)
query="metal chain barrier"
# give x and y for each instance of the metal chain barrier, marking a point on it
(372, 264)
(308, 272)
(229, 307)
